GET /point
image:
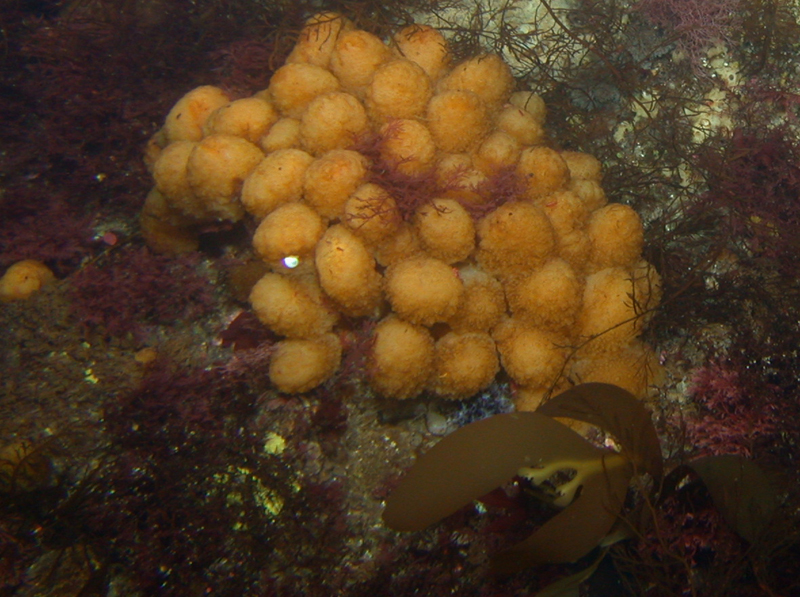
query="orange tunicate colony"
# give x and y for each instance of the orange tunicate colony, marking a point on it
(23, 279)
(499, 252)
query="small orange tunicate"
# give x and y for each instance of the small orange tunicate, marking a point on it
(514, 238)
(549, 297)
(615, 306)
(497, 152)
(543, 171)
(24, 279)
(398, 246)
(452, 168)
(356, 57)
(446, 230)
(590, 192)
(521, 125)
(170, 176)
(583, 166)
(294, 85)
(487, 76)
(332, 121)
(531, 102)
(423, 290)
(457, 119)
(166, 230)
(567, 212)
(330, 180)
(276, 180)
(401, 359)
(465, 364)
(215, 171)
(292, 230)
(187, 117)
(347, 272)
(284, 134)
(634, 367)
(318, 38)
(532, 357)
(483, 303)
(407, 145)
(301, 364)
(616, 236)
(371, 213)
(291, 307)
(425, 46)
(249, 118)
(398, 89)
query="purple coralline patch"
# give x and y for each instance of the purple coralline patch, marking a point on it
(133, 287)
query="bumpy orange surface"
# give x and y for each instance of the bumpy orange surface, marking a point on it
(385, 183)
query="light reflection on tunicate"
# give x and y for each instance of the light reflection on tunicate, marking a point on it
(292, 261)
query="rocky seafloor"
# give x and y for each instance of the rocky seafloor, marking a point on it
(145, 452)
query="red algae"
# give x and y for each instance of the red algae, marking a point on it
(409, 191)
(733, 418)
(130, 288)
(57, 233)
(75, 130)
(694, 24)
(755, 182)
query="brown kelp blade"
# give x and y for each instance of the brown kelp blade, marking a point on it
(570, 586)
(580, 527)
(741, 491)
(618, 412)
(476, 459)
